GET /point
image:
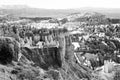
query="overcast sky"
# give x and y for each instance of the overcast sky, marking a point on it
(63, 4)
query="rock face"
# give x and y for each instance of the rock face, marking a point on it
(9, 50)
(44, 58)
(49, 59)
(71, 70)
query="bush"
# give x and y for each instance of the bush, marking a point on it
(6, 53)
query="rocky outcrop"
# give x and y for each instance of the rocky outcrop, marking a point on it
(58, 63)
(45, 58)
(71, 70)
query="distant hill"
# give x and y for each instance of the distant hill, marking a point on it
(34, 12)
(109, 12)
(82, 15)
(88, 17)
(25, 11)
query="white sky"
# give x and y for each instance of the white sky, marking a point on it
(64, 4)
